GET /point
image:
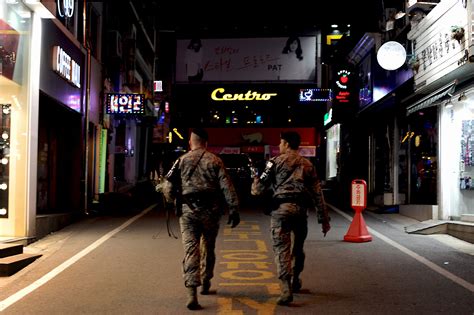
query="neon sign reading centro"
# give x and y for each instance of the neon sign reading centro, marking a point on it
(66, 67)
(218, 95)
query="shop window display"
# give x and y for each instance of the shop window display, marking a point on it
(14, 38)
(467, 155)
(4, 158)
(424, 158)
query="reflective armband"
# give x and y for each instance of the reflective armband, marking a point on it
(173, 174)
(266, 172)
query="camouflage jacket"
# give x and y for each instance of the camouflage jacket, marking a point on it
(209, 176)
(292, 174)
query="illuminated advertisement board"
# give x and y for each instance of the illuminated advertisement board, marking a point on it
(315, 95)
(343, 84)
(247, 59)
(125, 103)
(344, 101)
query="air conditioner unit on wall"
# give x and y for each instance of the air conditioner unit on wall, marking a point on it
(114, 44)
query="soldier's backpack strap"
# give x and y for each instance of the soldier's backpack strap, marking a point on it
(195, 166)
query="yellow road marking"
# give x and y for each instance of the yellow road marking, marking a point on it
(232, 274)
(261, 247)
(238, 258)
(262, 308)
(241, 256)
(272, 288)
(225, 307)
(236, 264)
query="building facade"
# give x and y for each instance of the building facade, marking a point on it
(61, 148)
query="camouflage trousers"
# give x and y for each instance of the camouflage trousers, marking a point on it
(198, 233)
(289, 228)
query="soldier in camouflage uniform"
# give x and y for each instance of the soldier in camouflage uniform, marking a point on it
(296, 188)
(203, 180)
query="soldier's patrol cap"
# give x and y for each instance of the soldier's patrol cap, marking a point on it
(201, 133)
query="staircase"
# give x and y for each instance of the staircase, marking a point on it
(12, 259)
(460, 229)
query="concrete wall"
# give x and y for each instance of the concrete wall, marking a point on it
(46, 224)
(420, 212)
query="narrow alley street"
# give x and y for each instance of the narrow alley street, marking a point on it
(132, 265)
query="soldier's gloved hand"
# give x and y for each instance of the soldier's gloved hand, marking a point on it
(234, 219)
(326, 226)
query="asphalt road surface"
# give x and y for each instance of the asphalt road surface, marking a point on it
(131, 264)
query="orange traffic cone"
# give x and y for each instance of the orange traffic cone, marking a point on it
(357, 232)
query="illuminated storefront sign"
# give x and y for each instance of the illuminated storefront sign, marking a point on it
(328, 117)
(102, 160)
(392, 55)
(125, 103)
(65, 8)
(66, 67)
(441, 43)
(218, 95)
(343, 79)
(315, 95)
(343, 85)
(343, 96)
(158, 86)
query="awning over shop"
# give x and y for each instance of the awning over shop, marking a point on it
(432, 99)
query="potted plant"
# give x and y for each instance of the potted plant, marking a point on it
(414, 63)
(457, 33)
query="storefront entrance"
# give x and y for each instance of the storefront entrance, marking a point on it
(59, 158)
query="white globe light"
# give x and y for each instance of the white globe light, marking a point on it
(391, 55)
(3, 211)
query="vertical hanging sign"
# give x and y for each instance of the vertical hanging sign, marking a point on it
(65, 8)
(102, 160)
(343, 93)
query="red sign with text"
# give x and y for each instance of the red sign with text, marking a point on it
(358, 194)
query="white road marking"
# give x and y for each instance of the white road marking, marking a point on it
(414, 255)
(68, 263)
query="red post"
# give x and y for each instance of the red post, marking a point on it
(357, 232)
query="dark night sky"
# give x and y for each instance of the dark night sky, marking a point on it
(241, 18)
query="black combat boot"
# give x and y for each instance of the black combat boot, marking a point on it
(192, 302)
(286, 296)
(206, 285)
(296, 283)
